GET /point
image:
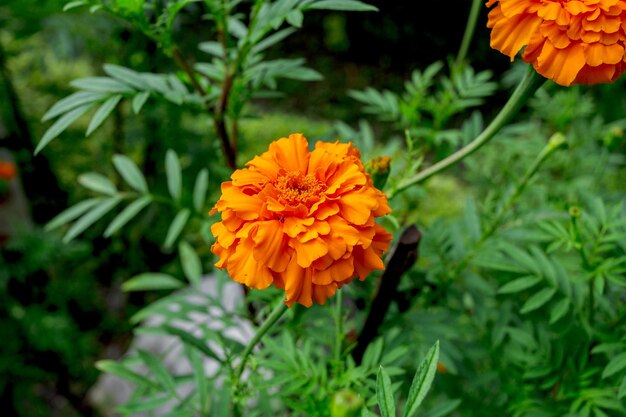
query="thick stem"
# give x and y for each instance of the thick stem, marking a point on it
(469, 30)
(526, 89)
(267, 324)
(338, 328)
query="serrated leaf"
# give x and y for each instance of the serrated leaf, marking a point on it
(127, 214)
(537, 300)
(345, 5)
(126, 76)
(151, 281)
(615, 365)
(119, 370)
(159, 371)
(61, 124)
(172, 171)
(71, 102)
(519, 284)
(72, 213)
(176, 227)
(192, 267)
(102, 113)
(200, 189)
(101, 85)
(95, 214)
(130, 172)
(97, 182)
(139, 100)
(559, 310)
(384, 394)
(422, 381)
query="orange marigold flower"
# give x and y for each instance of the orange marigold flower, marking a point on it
(303, 221)
(568, 41)
(7, 170)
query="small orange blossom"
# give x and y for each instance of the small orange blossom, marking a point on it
(303, 221)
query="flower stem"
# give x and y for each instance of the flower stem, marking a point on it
(526, 89)
(338, 329)
(271, 320)
(469, 30)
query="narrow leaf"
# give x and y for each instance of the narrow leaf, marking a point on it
(519, 284)
(151, 281)
(172, 170)
(91, 217)
(101, 85)
(384, 394)
(126, 76)
(537, 300)
(61, 124)
(200, 189)
(73, 4)
(616, 365)
(72, 213)
(71, 102)
(130, 172)
(559, 310)
(192, 267)
(97, 182)
(127, 214)
(143, 404)
(191, 341)
(199, 377)
(159, 371)
(102, 113)
(422, 381)
(139, 100)
(119, 370)
(621, 393)
(176, 227)
(346, 5)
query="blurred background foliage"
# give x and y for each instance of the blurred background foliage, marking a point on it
(536, 348)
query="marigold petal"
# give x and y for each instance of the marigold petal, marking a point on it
(292, 153)
(245, 269)
(307, 252)
(270, 245)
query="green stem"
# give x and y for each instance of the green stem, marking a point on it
(526, 89)
(469, 30)
(271, 320)
(338, 328)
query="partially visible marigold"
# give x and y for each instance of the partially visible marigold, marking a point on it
(303, 221)
(568, 41)
(7, 170)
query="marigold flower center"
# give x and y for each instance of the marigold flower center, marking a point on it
(295, 188)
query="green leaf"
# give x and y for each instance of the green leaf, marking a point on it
(384, 394)
(127, 214)
(200, 189)
(616, 365)
(130, 172)
(176, 227)
(61, 124)
(212, 48)
(143, 405)
(537, 300)
(151, 281)
(102, 113)
(91, 217)
(71, 102)
(72, 213)
(101, 85)
(126, 76)
(192, 267)
(119, 370)
(159, 370)
(519, 284)
(422, 381)
(74, 4)
(347, 5)
(443, 409)
(191, 341)
(273, 39)
(139, 100)
(97, 182)
(295, 18)
(200, 379)
(559, 310)
(172, 171)
(621, 393)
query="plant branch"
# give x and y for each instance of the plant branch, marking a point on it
(469, 30)
(526, 89)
